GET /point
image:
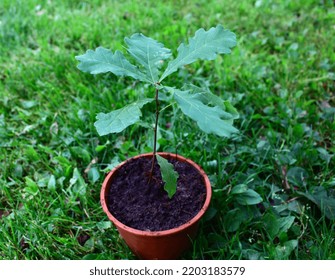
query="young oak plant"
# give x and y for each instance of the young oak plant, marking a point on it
(211, 113)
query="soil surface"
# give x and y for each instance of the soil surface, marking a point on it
(146, 206)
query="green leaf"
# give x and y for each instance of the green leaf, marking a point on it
(233, 219)
(93, 174)
(285, 223)
(271, 225)
(169, 175)
(31, 186)
(249, 197)
(118, 120)
(327, 206)
(32, 154)
(77, 184)
(241, 188)
(100, 148)
(27, 104)
(237, 216)
(209, 119)
(207, 97)
(324, 155)
(18, 171)
(251, 254)
(295, 206)
(52, 183)
(284, 251)
(324, 199)
(204, 45)
(81, 153)
(297, 176)
(149, 53)
(104, 225)
(113, 163)
(103, 60)
(275, 225)
(210, 213)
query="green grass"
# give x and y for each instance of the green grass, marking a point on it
(280, 77)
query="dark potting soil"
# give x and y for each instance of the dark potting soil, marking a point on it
(146, 206)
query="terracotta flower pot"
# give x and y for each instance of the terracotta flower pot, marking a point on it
(166, 244)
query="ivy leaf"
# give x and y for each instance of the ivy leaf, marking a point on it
(209, 119)
(149, 53)
(118, 120)
(204, 45)
(169, 175)
(103, 60)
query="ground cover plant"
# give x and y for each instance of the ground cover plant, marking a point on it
(273, 184)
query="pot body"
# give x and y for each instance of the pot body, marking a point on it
(166, 244)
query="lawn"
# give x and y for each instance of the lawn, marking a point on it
(280, 77)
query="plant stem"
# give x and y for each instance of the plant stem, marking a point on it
(155, 136)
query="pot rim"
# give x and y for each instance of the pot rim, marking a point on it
(172, 231)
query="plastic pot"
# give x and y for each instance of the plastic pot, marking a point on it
(166, 244)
